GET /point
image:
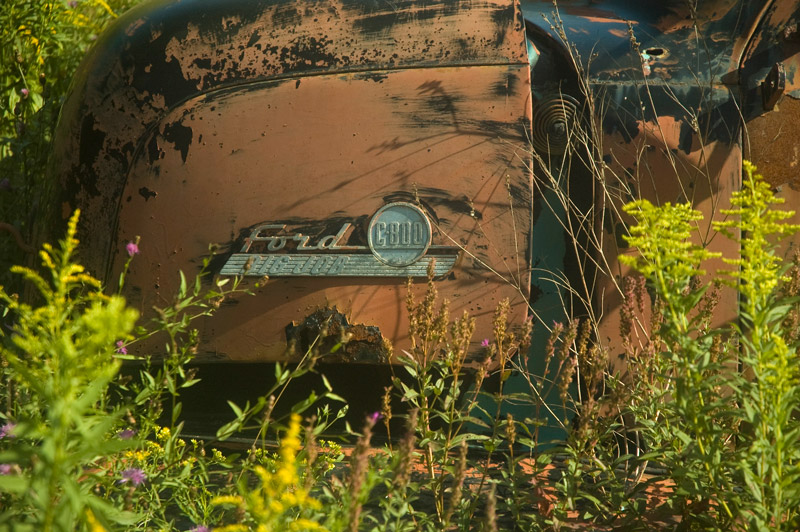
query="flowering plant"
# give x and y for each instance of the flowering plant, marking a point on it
(280, 502)
(61, 359)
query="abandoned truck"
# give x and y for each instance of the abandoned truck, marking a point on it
(341, 147)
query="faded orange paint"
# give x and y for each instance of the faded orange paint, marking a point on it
(705, 177)
(337, 146)
(303, 114)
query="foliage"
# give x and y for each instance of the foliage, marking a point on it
(725, 429)
(707, 411)
(41, 44)
(420, 481)
(280, 501)
(59, 362)
(769, 457)
(82, 446)
(696, 445)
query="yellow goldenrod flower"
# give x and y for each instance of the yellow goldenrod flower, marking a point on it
(163, 434)
(275, 504)
(233, 528)
(233, 500)
(94, 524)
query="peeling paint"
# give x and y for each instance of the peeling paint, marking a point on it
(188, 126)
(180, 136)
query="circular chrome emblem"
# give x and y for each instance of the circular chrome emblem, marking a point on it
(399, 234)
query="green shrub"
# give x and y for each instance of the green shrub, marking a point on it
(81, 446)
(59, 361)
(725, 428)
(41, 44)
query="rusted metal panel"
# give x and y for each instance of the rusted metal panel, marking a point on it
(771, 130)
(773, 45)
(306, 119)
(770, 107)
(667, 128)
(773, 144)
(705, 177)
(279, 130)
(278, 152)
(683, 43)
(165, 53)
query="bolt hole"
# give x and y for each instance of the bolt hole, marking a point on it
(655, 52)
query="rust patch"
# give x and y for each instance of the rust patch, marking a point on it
(772, 144)
(328, 332)
(180, 136)
(282, 39)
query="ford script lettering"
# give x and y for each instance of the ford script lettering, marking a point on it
(278, 242)
(398, 237)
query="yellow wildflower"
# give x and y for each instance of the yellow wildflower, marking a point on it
(163, 434)
(274, 504)
(94, 524)
(234, 500)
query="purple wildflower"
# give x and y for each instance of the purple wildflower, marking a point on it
(5, 430)
(485, 342)
(135, 475)
(5, 469)
(121, 349)
(200, 528)
(375, 416)
(24, 93)
(126, 434)
(132, 248)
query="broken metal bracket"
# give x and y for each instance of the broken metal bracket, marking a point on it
(328, 332)
(773, 86)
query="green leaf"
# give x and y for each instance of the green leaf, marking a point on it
(335, 397)
(112, 513)
(190, 383)
(229, 429)
(303, 405)
(182, 289)
(467, 436)
(236, 409)
(13, 483)
(176, 410)
(17, 526)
